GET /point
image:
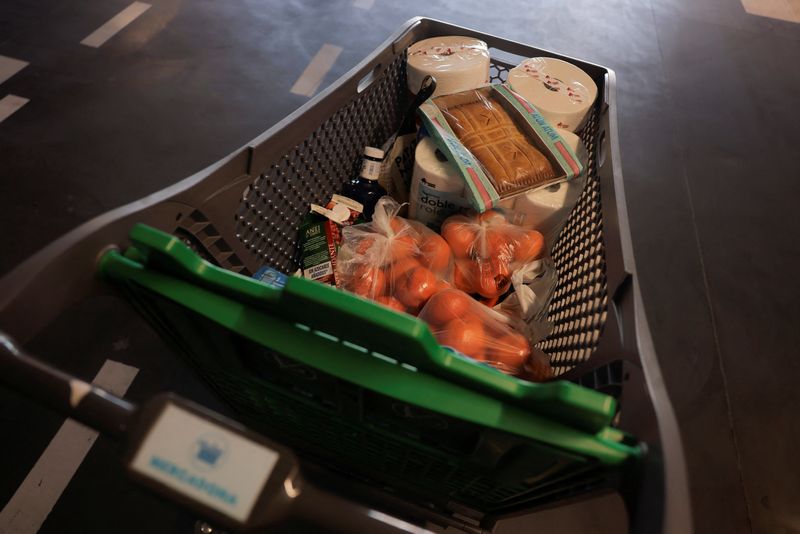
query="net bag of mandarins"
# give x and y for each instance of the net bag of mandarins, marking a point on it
(460, 322)
(487, 250)
(394, 261)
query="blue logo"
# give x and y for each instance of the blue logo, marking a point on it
(208, 452)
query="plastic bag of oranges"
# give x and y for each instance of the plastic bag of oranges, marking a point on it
(534, 285)
(462, 323)
(537, 367)
(488, 249)
(394, 261)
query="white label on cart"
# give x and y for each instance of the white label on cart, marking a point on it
(206, 462)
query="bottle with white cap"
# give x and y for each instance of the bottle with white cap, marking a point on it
(365, 188)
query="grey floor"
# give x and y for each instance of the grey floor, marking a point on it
(708, 124)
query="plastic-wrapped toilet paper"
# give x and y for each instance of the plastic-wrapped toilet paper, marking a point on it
(561, 92)
(437, 189)
(547, 209)
(457, 63)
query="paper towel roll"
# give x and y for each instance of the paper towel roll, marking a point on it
(561, 92)
(437, 189)
(457, 63)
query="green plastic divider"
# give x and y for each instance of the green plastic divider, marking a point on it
(326, 352)
(364, 323)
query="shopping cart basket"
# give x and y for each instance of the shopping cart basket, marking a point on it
(360, 390)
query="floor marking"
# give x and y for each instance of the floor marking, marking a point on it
(308, 82)
(9, 104)
(10, 66)
(34, 499)
(117, 22)
(788, 10)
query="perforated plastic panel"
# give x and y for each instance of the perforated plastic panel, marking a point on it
(579, 305)
(273, 206)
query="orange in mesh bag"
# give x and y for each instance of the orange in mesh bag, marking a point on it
(487, 249)
(460, 322)
(394, 261)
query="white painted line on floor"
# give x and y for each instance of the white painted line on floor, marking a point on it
(9, 104)
(363, 4)
(34, 499)
(10, 66)
(308, 82)
(788, 10)
(119, 21)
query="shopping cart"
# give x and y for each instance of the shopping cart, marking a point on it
(359, 392)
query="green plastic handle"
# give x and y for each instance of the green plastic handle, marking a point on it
(340, 359)
(371, 327)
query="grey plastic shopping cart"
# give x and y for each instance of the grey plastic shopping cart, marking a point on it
(244, 212)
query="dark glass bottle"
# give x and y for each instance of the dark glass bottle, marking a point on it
(365, 188)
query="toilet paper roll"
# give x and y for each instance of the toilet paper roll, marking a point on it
(547, 209)
(457, 63)
(561, 92)
(437, 189)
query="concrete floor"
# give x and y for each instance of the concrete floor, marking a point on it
(707, 117)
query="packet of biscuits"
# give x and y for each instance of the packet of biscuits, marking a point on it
(500, 144)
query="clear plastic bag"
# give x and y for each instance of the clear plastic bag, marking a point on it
(488, 250)
(509, 155)
(534, 285)
(394, 261)
(460, 322)
(537, 367)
